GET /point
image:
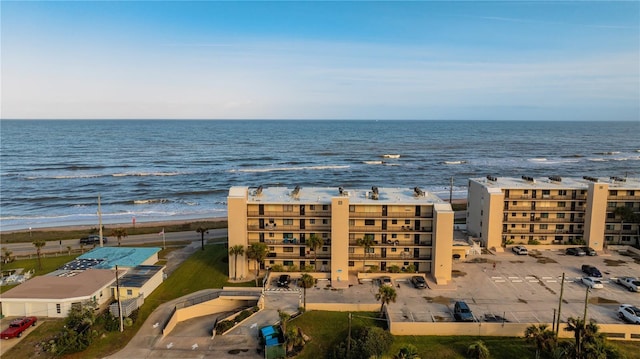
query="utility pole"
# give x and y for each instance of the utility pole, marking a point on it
(586, 302)
(119, 302)
(100, 222)
(349, 339)
(451, 191)
(560, 306)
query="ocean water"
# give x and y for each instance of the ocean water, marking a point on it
(51, 172)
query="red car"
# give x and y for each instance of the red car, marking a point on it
(18, 326)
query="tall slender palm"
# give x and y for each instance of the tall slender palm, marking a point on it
(386, 295)
(478, 350)
(365, 242)
(258, 252)
(202, 231)
(119, 233)
(236, 251)
(314, 242)
(306, 281)
(542, 337)
(39, 244)
(284, 318)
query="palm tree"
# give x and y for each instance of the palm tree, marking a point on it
(306, 281)
(284, 317)
(542, 337)
(6, 257)
(577, 326)
(119, 233)
(293, 338)
(39, 244)
(366, 242)
(386, 295)
(626, 215)
(258, 252)
(408, 351)
(314, 242)
(236, 251)
(478, 350)
(587, 339)
(202, 231)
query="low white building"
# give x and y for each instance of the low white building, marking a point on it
(53, 295)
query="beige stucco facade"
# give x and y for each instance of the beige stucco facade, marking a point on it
(552, 210)
(408, 227)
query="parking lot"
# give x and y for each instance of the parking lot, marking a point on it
(521, 289)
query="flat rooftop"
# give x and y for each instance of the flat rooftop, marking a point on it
(109, 257)
(138, 276)
(323, 195)
(565, 183)
(72, 284)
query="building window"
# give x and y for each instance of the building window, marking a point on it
(129, 292)
(526, 191)
(394, 249)
(515, 203)
(272, 262)
(407, 221)
(562, 204)
(544, 215)
(352, 236)
(544, 226)
(513, 214)
(611, 204)
(325, 221)
(288, 222)
(369, 222)
(324, 249)
(352, 208)
(312, 207)
(352, 250)
(524, 214)
(546, 192)
(560, 215)
(513, 225)
(562, 192)
(325, 235)
(394, 235)
(394, 221)
(407, 236)
(272, 249)
(626, 227)
(287, 208)
(369, 250)
(287, 263)
(611, 215)
(58, 309)
(351, 264)
(352, 222)
(559, 226)
(610, 227)
(631, 193)
(271, 234)
(613, 193)
(287, 249)
(312, 221)
(325, 207)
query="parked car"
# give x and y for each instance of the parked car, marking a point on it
(386, 281)
(418, 282)
(520, 250)
(594, 283)
(631, 283)
(93, 239)
(589, 251)
(591, 271)
(283, 281)
(17, 326)
(629, 313)
(462, 312)
(575, 251)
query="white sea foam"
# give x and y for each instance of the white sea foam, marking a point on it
(147, 174)
(302, 168)
(373, 162)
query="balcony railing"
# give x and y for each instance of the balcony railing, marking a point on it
(390, 215)
(396, 256)
(291, 228)
(403, 229)
(281, 214)
(394, 243)
(543, 231)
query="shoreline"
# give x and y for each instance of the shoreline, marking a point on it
(151, 223)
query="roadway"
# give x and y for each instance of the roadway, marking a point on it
(26, 248)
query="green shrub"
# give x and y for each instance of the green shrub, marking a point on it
(292, 268)
(394, 269)
(223, 326)
(243, 315)
(277, 268)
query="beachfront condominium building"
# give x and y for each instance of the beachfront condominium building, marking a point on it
(407, 229)
(554, 210)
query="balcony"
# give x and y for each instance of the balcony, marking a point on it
(403, 229)
(307, 256)
(291, 228)
(390, 215)
(392, 256)
(282, 214)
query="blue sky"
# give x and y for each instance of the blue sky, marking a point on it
(508, 60)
